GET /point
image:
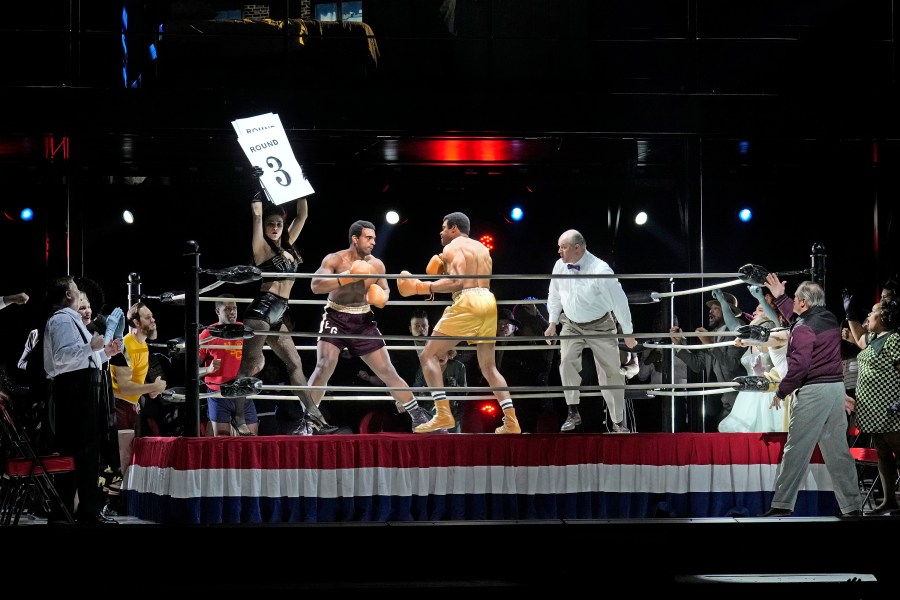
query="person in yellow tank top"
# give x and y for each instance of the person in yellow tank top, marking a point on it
(129, 370)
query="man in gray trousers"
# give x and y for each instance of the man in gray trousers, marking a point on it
(818, 412)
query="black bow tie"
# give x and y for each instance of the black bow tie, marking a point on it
(576, 267)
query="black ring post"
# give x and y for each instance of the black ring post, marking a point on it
(818, 263)
(134, 290)
(191, 340)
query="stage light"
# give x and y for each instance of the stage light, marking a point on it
(640, 218)
(488, 408)
(516, 214)
(392, 217)
(745, 215)
(27, 214)
(744, 147)
(488, 241)
(128, 217)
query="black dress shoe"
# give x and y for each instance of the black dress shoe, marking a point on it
(883, 510)
(108, 511)
(96, 520)
(777, 512)
(852, 513)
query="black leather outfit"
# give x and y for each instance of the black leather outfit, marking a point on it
(270, 307)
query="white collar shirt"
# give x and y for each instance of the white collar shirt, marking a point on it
(585, 299)
(65, 348)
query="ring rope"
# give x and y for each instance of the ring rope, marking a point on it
(518, 276)
(695, 290)
(708, 392)
(459, 338)
(689, 347)
(391, 348)
(364, 398)
(512, 388)
(390, 303)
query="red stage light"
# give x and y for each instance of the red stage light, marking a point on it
(488, 408)
(488, 241)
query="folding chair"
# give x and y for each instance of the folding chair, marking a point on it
(866, 458)
(867, 472)
(25, 474)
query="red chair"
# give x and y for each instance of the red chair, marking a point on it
(25, 474)
(866, 471)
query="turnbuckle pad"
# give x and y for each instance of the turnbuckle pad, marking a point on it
(754, 383)
(753, 274)
(230, 331)
(753, 334)
(240, 387)
(237, 274)
(173, 395)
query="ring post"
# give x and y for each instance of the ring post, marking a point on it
(818, 264)
(191, 341)
(672, 352)
(134, 288)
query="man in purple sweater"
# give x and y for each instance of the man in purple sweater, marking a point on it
(815, 377)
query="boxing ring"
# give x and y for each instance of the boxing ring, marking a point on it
(409, 477)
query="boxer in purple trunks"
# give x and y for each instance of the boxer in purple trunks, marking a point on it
(349, 311)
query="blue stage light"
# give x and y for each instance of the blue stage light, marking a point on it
(27, 214)
(745, 215)
(516, 214)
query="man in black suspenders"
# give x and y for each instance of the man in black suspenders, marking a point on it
(73, 358)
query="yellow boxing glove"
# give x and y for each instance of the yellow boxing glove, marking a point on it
(436, 265)
(411, 287)
(376, 296)
(359, 267)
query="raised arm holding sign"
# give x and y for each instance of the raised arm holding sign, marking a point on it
(274, 253)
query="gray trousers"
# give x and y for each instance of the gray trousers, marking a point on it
(606, 359)
(818, 417)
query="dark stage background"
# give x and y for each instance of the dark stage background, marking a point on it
(581, 112)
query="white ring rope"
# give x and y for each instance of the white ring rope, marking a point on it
(370, 398)
(390, 302)
(708, 392)
(388, 348)
(509, 388)
(519, 276)
(695, 290)
(463, 338)
(691, 346)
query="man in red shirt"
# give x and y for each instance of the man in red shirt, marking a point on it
(221, 365)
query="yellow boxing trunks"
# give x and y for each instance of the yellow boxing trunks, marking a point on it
(473, 313)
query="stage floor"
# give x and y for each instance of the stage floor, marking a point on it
(540, 556)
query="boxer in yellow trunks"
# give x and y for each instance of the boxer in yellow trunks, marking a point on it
(473, 313)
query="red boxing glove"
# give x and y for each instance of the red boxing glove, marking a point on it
(411, 287)
(359, 267)
(436, 265)
(376, 296)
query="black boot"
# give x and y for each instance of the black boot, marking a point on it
(318, 423)
(237, 421)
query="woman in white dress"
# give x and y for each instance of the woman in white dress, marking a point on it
(752, 410)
